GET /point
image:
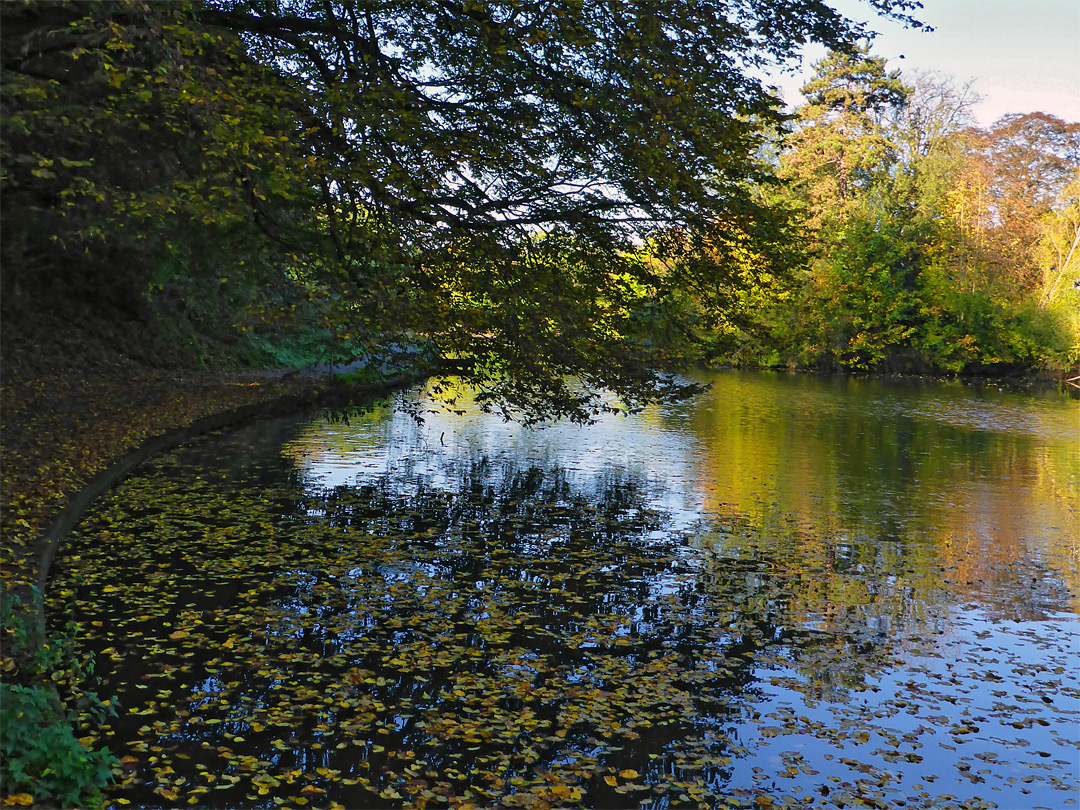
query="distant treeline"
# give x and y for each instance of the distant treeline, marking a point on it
(929, 244)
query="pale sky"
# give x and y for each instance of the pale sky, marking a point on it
(1023, 55)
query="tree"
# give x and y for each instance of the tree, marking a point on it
(841, 164)
(131, 170)
(474, 173)
(1058, 254)
(1034, 156)
(923, 228)
(1019, 169)
(841, 147)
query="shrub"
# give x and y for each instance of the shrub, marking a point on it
(44, 705)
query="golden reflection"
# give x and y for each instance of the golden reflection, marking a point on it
(982, 485)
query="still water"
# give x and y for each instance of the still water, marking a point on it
(790, 591)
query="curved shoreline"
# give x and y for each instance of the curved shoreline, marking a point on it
(44, 550)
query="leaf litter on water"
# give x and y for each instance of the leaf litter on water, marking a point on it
(529, 640)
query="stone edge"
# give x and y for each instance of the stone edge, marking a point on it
(49, 541)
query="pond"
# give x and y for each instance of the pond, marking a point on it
(790, 591)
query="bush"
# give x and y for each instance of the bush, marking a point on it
(43, 707)
(41, 754)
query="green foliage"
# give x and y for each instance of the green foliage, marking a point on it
(1037, 335)
(136, 186)
(862, 300)
(43, 705)
(290, 350)
(475, 173)
(958, 330)
(900, 275)
(41, 754)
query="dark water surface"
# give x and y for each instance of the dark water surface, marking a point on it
(791, 591)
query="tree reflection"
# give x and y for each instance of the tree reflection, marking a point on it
(522, 626)
(523, 636)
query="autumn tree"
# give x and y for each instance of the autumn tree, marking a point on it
(839, 163)
(1016, 171)
(923, 230)
(1008, 214)
(474, 174)
(1058, 251)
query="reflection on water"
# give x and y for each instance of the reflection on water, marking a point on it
(989, 478)
(790, 591)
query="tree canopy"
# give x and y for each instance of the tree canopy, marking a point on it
(931, 245)
(477, 175)
(480, 116)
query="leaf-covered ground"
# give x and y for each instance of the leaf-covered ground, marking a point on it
(72, 405)
(527, 637)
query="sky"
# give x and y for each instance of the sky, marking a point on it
(1021, 55)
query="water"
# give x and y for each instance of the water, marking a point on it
(791, 591)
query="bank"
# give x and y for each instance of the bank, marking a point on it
(79, 414)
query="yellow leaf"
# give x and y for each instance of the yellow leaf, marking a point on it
(178, 634)
(629, 773)
(19, 798)
(611, 780)
(110, 589)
